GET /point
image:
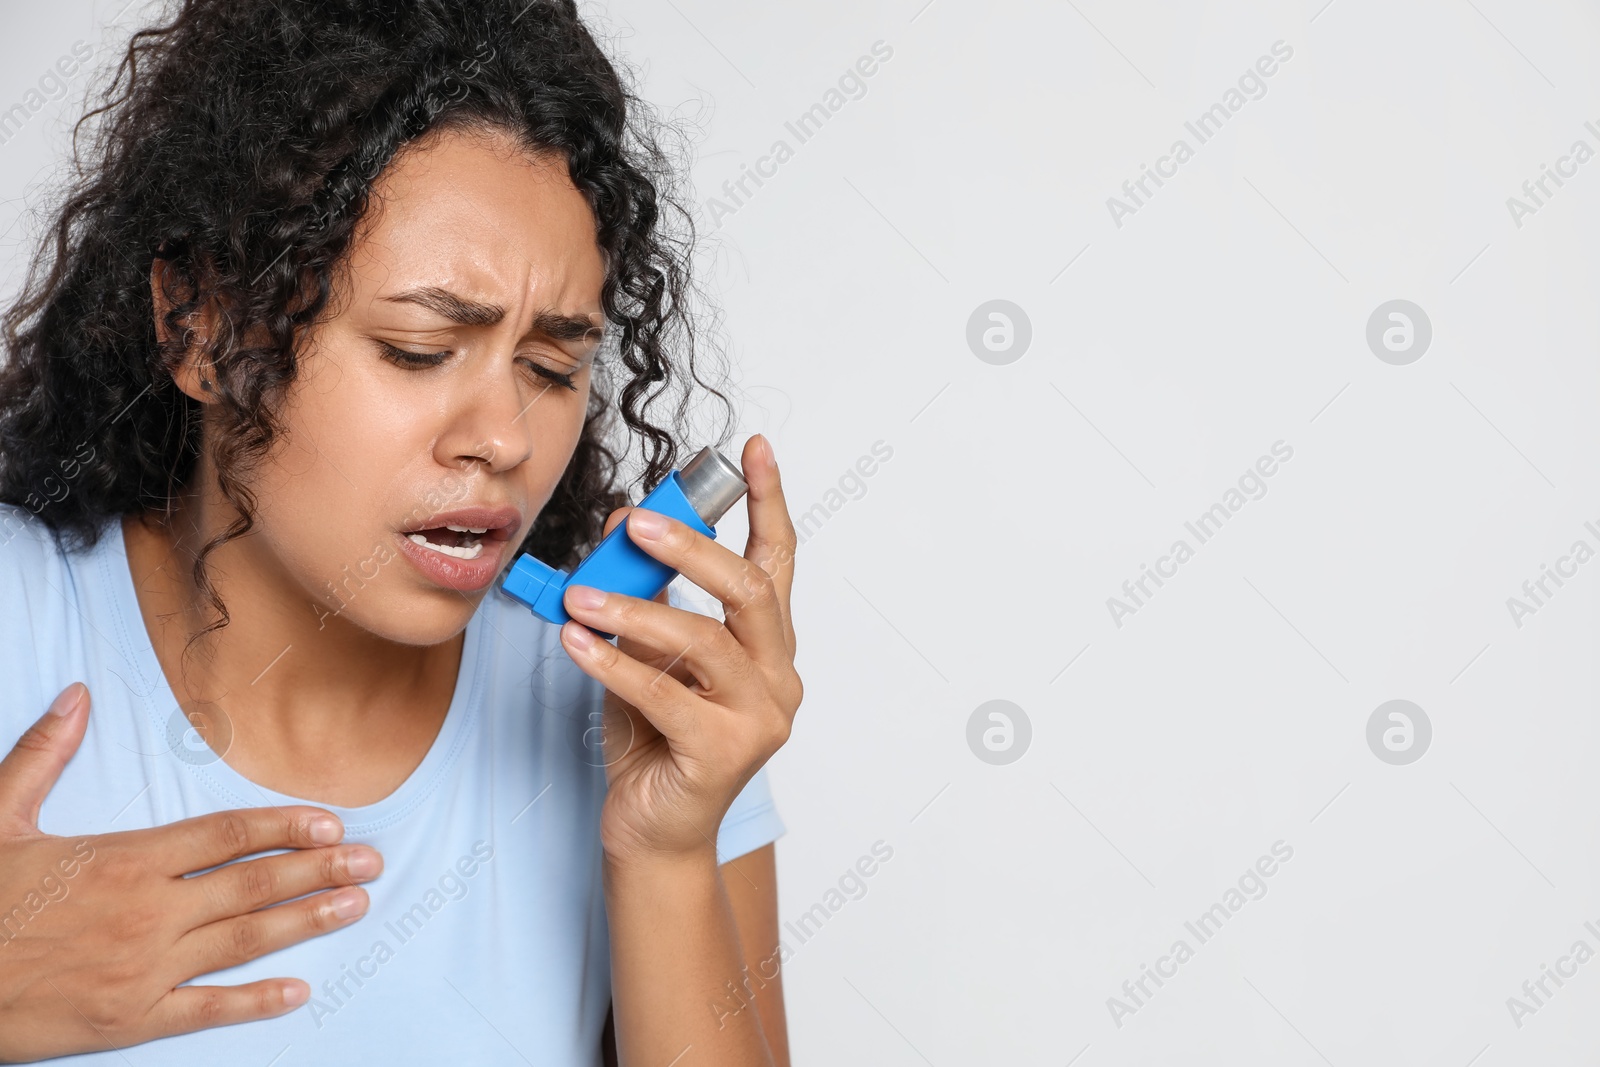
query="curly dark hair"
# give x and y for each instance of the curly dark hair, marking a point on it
(238, 144)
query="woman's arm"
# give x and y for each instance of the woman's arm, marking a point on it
(696, 707)
(752, 884)
(685, 985)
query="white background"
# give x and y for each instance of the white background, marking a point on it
(1168, 354)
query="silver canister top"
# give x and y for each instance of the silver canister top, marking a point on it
(711, 484)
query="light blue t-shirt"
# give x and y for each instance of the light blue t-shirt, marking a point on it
(485, 941)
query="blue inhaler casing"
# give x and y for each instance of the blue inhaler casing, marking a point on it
(697, 495)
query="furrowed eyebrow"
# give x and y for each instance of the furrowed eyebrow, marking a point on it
(565, 327)
(451, 306)
(473, 313)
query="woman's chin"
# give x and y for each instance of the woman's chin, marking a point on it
(420, 618)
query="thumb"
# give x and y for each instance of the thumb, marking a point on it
(31, 769)
(615, 517)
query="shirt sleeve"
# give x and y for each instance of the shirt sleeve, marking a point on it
(752, 819)
(35, 593)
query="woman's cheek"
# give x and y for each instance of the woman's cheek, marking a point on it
(334, 489)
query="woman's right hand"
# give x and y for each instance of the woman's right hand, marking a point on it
(98, 931)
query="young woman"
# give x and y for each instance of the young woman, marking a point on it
(344, 312)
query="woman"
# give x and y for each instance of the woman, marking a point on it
(336, 322)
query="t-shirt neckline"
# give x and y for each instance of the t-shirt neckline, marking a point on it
(234, 788)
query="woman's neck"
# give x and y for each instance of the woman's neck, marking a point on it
(299, 701)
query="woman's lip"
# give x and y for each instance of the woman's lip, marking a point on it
(463, 575)
(502, 522)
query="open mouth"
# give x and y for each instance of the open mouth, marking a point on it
(460, 542)
(463, 547)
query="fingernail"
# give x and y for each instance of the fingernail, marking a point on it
(325, 830)
(67, 701)
(295, 994)
(586, 596)
(766, 444)
(650, 524)
(347, 903)
(580, 635)
(363, 864)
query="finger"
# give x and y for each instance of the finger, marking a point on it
(244, 887)
(200, 1007)
(666, 661)
(658, 696)
(750, 599)
(34, 764)
(712, 654)
(614, 518)
(772, 541)
(230, 942)
(206, 840)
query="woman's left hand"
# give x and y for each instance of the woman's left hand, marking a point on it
(697, 705)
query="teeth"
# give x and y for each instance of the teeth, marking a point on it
(472, 552)
(467, 529)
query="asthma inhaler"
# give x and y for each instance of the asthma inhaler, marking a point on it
(698, 495)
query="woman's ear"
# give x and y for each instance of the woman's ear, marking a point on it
(194, 374)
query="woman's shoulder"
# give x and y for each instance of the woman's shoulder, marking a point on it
(32, 558)
(40, 592)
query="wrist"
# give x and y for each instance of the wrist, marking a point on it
(656, 866)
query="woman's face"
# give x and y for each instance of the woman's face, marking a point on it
(449, 387)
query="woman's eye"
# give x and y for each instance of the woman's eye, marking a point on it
(411, 359)
(419, 360)
(565, 380)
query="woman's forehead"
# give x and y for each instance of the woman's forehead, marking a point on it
(464, 212)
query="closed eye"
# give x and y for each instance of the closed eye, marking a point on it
(412, 360)
(423, 360)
